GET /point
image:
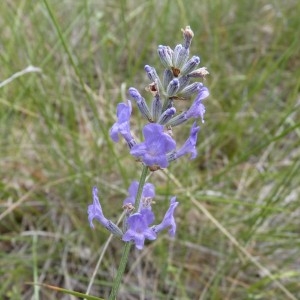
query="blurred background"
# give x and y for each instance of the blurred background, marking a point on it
(64, 66)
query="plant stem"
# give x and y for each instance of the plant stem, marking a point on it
(127, 246)
(120, 272)
(141, 186)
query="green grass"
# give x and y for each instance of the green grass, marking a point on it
(238, 233)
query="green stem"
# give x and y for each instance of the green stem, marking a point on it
(121, 269)
(127, 246)
(141, 186)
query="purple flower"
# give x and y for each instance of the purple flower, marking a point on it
(197, 109)
(122, 126)
(148, 193)
(190, 145)
(168, 220)
(138, 228)
(153, 152)
(95, 211)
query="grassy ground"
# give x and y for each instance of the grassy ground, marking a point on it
(239, 218)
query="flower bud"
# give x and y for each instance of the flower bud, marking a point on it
(167, 77)
(180, 56)
(141, 103)
(188, 35)
(199, 73)
(156, 108)
(165, 54)
(191, 89)
(190, 65)
(173, 87)
(166, 115)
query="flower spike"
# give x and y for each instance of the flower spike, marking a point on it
(179, 85)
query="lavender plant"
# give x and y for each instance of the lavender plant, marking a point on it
(159, 148)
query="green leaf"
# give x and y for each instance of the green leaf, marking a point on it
(77, 294)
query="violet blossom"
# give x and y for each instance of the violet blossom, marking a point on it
(147, 194)
(95, 212)
(122, 126)
(169, 220)
(138, 228)
(190, 144)
(153, 151)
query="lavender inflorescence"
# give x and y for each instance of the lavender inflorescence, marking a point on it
(159, 147)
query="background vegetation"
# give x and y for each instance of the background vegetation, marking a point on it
(239, 217)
